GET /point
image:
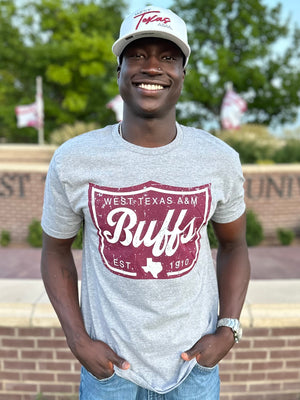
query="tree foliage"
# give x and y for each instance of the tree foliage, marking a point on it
(239, 41)
(68, 43)
(12, 56)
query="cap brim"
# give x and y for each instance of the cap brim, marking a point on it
(120, 44)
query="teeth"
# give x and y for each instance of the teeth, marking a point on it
(148, 86)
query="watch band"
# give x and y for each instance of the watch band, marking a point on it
(234, 325)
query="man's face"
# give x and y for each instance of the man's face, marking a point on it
(151, 76)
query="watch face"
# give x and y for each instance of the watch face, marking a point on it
(238, 333)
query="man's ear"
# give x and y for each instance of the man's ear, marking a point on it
(118, 71)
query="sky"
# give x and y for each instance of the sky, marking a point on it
(289, 8)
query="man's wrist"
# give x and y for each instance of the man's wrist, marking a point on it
(77, 340)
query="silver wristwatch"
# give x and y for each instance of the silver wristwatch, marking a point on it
(235, 326)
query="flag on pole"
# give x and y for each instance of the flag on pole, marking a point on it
(27, 115)
(232, 109)
(116, 104)
(33, 114)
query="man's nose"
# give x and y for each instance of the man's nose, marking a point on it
(152, 65)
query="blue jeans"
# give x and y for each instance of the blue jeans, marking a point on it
(201, 384)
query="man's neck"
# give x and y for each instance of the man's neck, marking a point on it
(148, 132)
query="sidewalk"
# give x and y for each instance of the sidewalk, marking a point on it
(279, 262)
(273, 297)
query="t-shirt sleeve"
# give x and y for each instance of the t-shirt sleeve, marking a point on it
(58, 219)
(232, 205)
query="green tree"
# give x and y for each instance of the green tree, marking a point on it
(68, 43)
(234, 41)
(12, 55)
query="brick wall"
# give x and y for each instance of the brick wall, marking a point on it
(34, 361)
(265, 365)
(272, 190)
(21, 196)
(23, 169)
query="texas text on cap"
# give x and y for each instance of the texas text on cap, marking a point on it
(153, 22)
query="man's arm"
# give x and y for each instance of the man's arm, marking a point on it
(233, 274)
(61, 282)
(233, 267)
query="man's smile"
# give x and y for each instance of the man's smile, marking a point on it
(150, 86)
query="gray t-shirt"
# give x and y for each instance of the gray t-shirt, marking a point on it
(149, 286)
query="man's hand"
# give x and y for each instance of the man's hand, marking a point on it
(210, 349)
(61, 282)
(233, 274)
(98, 358)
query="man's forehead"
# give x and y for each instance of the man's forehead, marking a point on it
(164, 44)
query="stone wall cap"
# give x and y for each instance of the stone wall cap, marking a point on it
(24, 167)
(269, 303)
(268, 168)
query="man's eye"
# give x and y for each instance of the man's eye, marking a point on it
(136, 55)
(169, 58)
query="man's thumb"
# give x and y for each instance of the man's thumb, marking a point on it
(124, 365)
(189, 354)
(119, 362)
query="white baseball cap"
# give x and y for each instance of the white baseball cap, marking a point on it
(153, 22)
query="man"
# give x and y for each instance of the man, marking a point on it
(146, 188)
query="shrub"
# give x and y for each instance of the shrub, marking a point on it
(289, 152)
(254, 232)
(213, 241)
(35, 234)
(77, 244)
(254, 143)
(40, 396)
(285, 236)
(67, 132)
(5, 238)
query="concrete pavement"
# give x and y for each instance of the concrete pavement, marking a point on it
(273, 297)
(278, 262)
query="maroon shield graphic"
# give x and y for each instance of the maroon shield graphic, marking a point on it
(149, 231)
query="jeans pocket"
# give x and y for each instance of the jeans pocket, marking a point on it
(104, 380)
(111, 388)
(206, 369)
